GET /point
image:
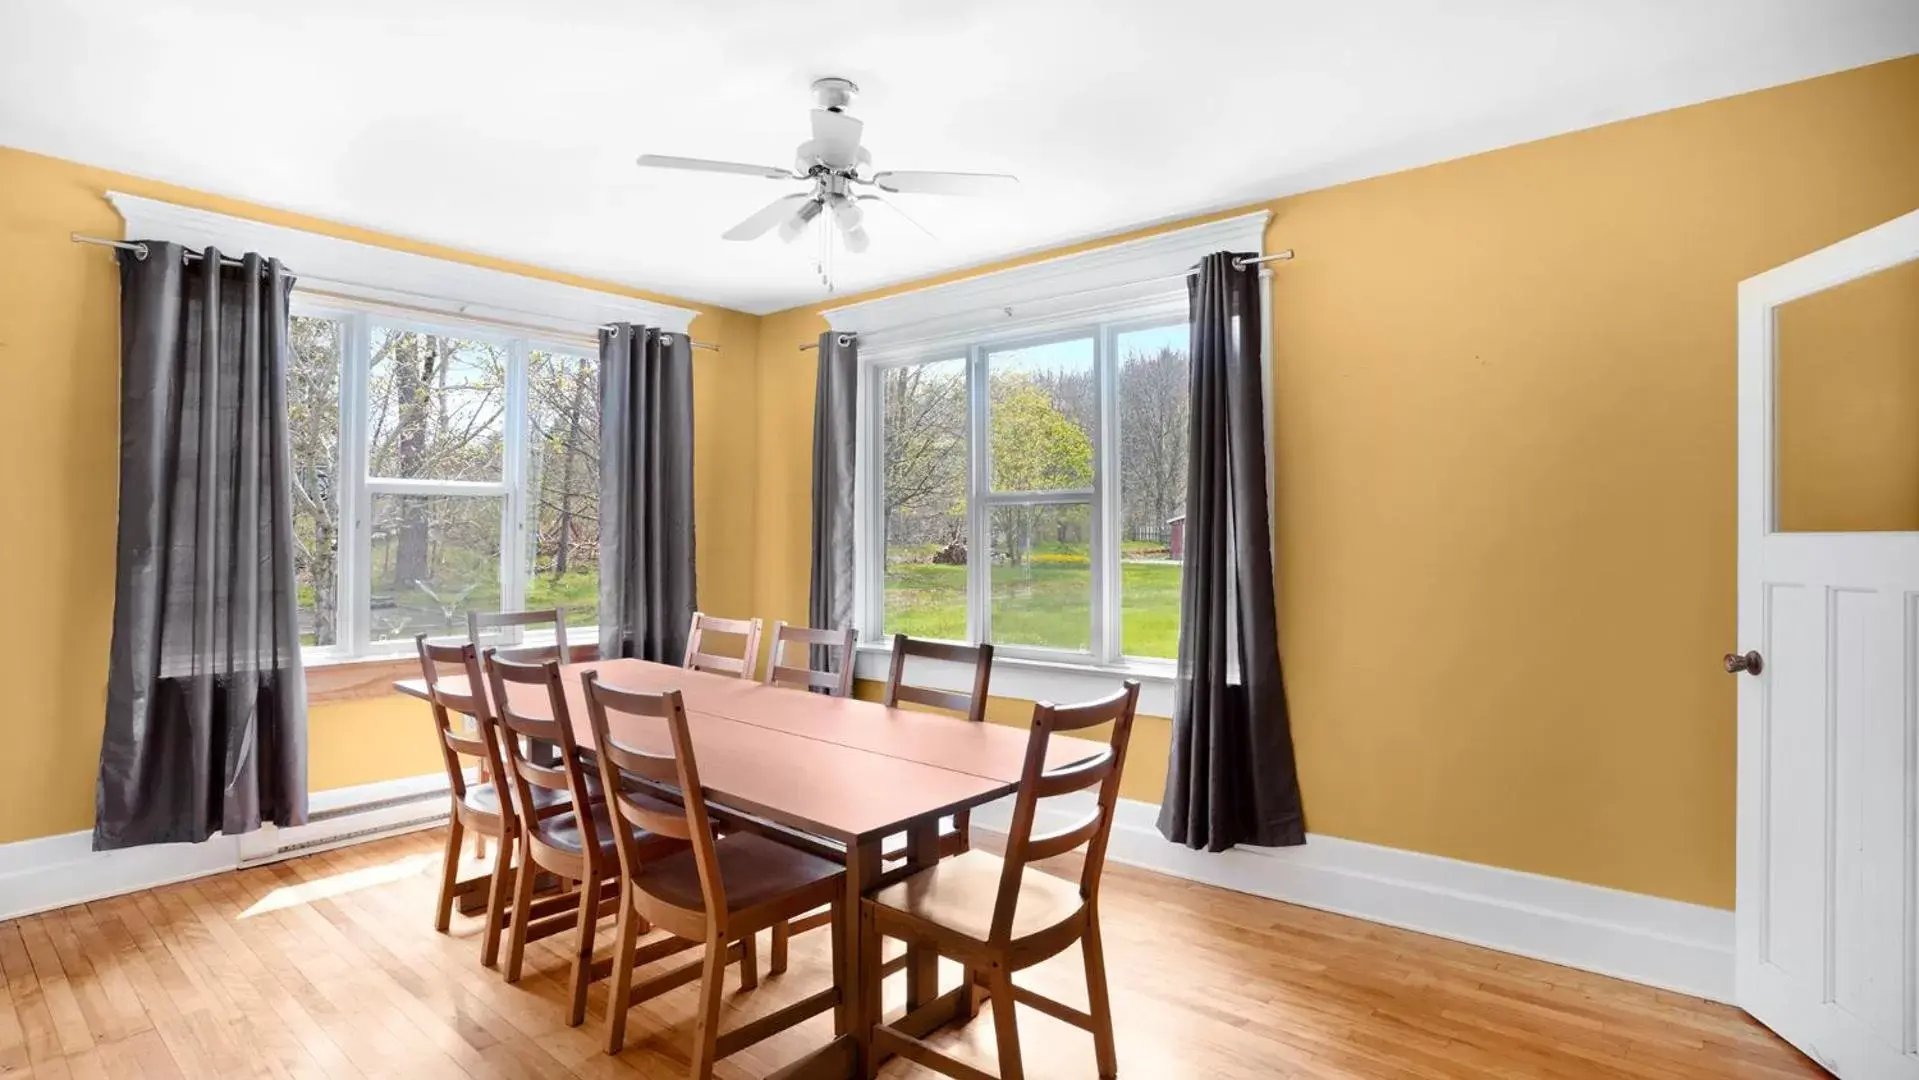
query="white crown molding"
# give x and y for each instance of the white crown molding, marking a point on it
(372, 274)
(1114, 277)
(1664, 943)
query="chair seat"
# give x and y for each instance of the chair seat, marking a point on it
(958, 895)
(756, 871)
(486, 798)
(563, 830)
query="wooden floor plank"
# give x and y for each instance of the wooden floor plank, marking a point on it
(328, 966)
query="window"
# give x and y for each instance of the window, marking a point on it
(1027, 489)
(438, 468)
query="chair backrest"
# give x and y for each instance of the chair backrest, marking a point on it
(556, 728)
(479, 622)
(448, 702)
(1037, 782)
(699, 659)
(839, 683)
(679, 770)
(973, 705)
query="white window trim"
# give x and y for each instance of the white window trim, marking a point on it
(353, 282)
(1108, 285)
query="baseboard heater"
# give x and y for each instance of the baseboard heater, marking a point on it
(342, 825)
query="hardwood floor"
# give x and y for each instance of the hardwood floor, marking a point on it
(328, 966)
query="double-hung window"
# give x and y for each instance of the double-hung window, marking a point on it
(1023, 450)
(438, 468)
(1028, 490)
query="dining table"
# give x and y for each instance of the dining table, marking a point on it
(857, 775)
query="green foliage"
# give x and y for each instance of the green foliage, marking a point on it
(1035, 446)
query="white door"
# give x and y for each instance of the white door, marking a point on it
(1828, 909)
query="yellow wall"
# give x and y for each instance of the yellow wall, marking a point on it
(1848, 406)
(1504, 396)
(1504, 393)
(59, 409)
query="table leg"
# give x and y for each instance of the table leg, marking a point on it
(863, 862)
(922, 964)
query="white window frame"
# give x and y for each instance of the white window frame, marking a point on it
(360, 284)
(356, 485)
(1104, 292)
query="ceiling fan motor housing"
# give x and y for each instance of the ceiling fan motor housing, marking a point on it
(834, 93)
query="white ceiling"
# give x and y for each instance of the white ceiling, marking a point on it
(509, 127)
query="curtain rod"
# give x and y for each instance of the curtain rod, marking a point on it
(847, 337)
(140, 252)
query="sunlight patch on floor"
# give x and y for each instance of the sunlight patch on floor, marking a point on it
(307, 892)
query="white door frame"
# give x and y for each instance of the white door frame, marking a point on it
(1815, 1024)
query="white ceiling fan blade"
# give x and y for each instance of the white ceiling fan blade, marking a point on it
(664, 161)
(836, 137)
(764, 218)
(895, 207)
(847, 214)
(792, 227)
(946, 183)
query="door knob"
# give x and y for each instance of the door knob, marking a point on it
(1751, 663)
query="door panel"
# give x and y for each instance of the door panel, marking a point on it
(1796, 745)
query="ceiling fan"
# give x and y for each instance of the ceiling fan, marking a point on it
(834, 165)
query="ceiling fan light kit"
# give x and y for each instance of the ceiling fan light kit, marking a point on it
(833, 163)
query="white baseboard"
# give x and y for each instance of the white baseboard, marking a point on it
(1645, 939)
(52, 872)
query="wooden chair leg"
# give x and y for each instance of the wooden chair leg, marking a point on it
(618, 998)
(968, 1005)
(1099, 1006)
(870, 988)
(524, 881)
(498, 896)
(706, 1028)
(582, 973)
(750, 962)
(449, 875)
(782, 933)
(843, 975)
(1005, 1027)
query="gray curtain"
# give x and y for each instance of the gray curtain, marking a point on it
(646, 493)
(836, 392)
(1231, 779)
(206, 700)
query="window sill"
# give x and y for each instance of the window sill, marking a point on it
(1061, 682)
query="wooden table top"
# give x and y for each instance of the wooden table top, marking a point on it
(837, 767)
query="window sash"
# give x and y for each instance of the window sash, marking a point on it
(1106, 635)
(355, 487)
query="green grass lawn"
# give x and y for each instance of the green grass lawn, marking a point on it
(1040, 604)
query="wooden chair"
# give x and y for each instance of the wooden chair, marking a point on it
(699, 659)
(956, 835)
(718, 893)
(996, 916)
(482, 806)
(778, 673)
(479, 622)
(567, 833)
